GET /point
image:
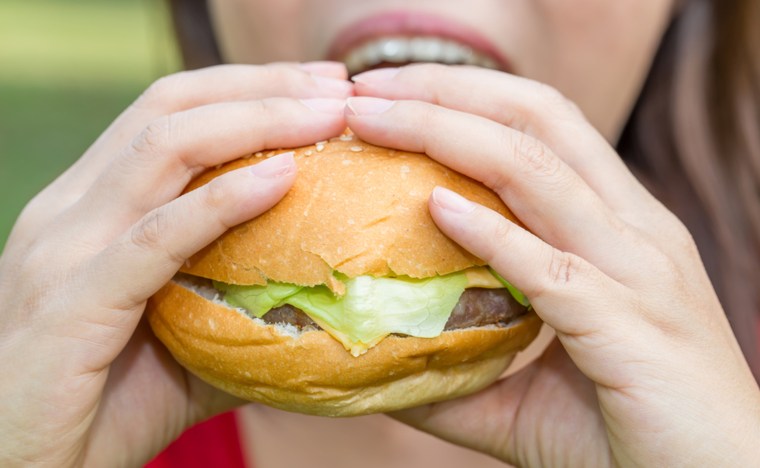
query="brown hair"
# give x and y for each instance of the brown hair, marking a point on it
(192, 25)
(694, 137)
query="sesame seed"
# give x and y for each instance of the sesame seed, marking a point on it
(357, 149)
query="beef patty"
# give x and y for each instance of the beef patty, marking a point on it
(476, 307)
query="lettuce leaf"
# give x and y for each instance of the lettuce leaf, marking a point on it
(258, 300)
(371, 308)
(516, 293)
(410, 307)
(416, 307)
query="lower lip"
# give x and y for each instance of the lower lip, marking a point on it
(412, 24)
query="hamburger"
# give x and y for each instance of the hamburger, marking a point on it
(345, 299)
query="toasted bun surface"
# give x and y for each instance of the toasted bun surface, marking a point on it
(312, 373)
(355, 209)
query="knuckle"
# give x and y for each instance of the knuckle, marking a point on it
(664, 270)
(292, 81)
(563, 269)
(427, 119)
(425, 116)
(162, 91)
(266, 106)
(36, 259)
(217, 199)
(549, 94)
(155, 138)
(215, 194)
(502, 230)
(502, 240)
(163, 138)
(500, 179)
(429, 77)
(552, 99)
(681, 236)
(149, 233)
(672, 253)
(535, 156)
(32, 217)
(44, 270)
(42, 210)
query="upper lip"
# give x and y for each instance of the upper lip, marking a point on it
(412, 24)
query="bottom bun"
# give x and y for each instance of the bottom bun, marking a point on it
(310, 372)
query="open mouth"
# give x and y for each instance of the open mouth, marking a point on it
(402, 50)
(404, 37)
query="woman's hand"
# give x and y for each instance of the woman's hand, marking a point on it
(83, 378)
(648, 372)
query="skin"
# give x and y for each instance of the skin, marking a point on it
(595, 52)
(645, 370)
(84, 380)
(659, 382)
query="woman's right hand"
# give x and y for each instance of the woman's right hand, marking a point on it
(83, 380)
(645, 370)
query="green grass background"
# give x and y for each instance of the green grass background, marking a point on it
(67, 69)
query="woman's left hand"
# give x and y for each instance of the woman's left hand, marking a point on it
(646, 370)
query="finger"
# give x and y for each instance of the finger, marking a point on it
(148, 254)
(542, 191)
(483, 421)
(588, 310)
(326, 68)
(227, 83)
(554, 281)
(224, 83)
(161, 403)
(516, 415)
(179, 92)
(162, 160)
(525, 105)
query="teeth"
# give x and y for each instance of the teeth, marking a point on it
(413, 49)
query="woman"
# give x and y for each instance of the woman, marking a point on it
(645, 370)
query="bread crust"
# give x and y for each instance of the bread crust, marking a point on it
(373, 199)
(313, 374)
(355, 209)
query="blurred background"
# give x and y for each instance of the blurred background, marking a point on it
(67, 69)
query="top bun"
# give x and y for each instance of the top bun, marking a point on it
(355, 209)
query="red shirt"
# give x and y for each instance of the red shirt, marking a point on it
(214, 442)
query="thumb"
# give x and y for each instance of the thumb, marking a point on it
(483, 421)
(546, 410)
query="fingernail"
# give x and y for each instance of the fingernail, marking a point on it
(333, 85)
(368, 105)
(324, 68)
(274, 167)
(325, 106)
(452, 201)
(375, 76)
